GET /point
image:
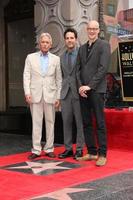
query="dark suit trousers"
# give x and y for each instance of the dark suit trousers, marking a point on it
(70, 107)
(92, 108)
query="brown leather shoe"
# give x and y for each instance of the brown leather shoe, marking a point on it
(33, 156)
(101, 161)
(50, 154)
(88, 157)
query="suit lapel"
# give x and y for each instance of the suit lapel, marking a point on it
(49, 61)
(38, 63)
(64, 63)
(84, 53)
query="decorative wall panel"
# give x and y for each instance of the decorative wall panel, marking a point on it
(54, 16)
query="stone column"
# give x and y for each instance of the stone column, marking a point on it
(2, 62)
(54, 16)
(101, 20)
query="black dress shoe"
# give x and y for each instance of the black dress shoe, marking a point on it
(78, 154)
(50, 154)
(33, 156)
(66, 154)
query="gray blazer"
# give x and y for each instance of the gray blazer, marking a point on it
(68, 77)
(93, 69)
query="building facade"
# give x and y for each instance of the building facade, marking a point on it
(22, 21)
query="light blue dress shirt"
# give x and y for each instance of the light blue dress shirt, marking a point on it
(44, 62)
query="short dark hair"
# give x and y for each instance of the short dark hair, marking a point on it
(72, 30)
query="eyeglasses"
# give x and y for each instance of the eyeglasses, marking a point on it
(92, 29)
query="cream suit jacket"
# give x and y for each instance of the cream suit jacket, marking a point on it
(38, 85)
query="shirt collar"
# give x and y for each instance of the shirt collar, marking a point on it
(73, 52)
(91, 43)
(42, 54)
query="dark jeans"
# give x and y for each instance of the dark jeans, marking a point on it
(92, 108)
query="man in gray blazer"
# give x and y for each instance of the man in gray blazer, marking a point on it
(42, 85)
(93, 63)
(70, 105)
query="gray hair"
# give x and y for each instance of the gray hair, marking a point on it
(45, 35)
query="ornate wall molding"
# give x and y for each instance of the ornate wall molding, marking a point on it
(67, 12)
(87, 2)
(50, 2)
(40, 15)
(54, 16)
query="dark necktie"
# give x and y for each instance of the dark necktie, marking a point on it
(69, 61)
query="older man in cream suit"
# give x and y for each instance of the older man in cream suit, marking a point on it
(42, 84)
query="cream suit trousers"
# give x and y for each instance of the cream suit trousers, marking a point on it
(38, 111)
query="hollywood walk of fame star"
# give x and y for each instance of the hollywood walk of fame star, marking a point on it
(62, 194)
(37, 167)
